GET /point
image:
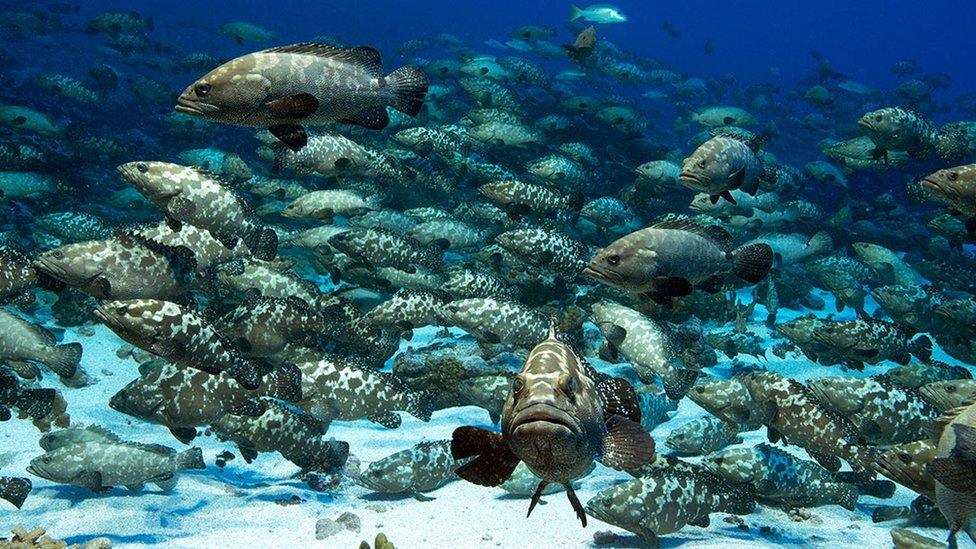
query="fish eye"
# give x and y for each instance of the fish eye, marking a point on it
(142, 167)
(905, 457)
(121, 309)
(202, 89)
(878, 117)
(719, 460)
(46, 460)
(517, 385)
(701, 164)
(950, 389)
(953, 176)
(895, 133)
(700, 390)
(613, 259)
(57, 254)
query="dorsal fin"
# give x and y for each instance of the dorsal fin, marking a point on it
(715, 233)
(154, 448)
(182, 260)
(363, 56)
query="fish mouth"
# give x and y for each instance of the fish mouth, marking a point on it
(689, 179)
(51, 268)
(195, 108)
(537, 414)
(596, 273)
(932, 185)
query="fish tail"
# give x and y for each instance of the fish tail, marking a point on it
(262, 241)
(420, 404)
(36, 403)
(65, 360)
(752, 262)
(15, 490)
(821, 242)
(575, 13)
(409, 87)
(190, 459)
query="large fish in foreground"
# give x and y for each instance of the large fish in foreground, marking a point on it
(672, 258)
(285, 87)
(558, 416)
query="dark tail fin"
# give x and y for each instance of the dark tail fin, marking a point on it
(420, 404)
(15, 490)
(36, 403)
(752, 262)
(262, 241)
(190, 459)
(285, 383)
(887, 513)
(409, 86)
(65, 359)
(922, 347)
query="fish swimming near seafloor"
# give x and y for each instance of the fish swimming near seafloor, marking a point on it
(285, 87)
(557, 418)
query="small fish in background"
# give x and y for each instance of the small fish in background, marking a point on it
(557, 418)
(286, 87)
(582, 47)
(424, 467)
(598, 13)
(672, 30)
(243, 33)
(709, 47)
(23, 342)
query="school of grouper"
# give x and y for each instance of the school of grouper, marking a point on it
(495, 195)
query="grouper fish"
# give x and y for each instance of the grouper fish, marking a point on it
(282, 88)
(558, 417)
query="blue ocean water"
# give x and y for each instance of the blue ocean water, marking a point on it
(796, 76)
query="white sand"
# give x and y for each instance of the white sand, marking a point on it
(235, 507)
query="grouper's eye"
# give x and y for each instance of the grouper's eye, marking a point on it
(905, 457)
(953, 176)
(878, 117)
(142, 167)
(613, 259)
(57, 254)
(719, 460)
(701, 164)
(202, 89)
(517, 385)
(950, 389)
(121, 309)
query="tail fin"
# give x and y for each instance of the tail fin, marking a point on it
(285, 383)
(575, 13)
(752, 262)
(922, 347)
(36, 403)
(65, 360)
(409, 86)
(190, 459)
(420, 404)
(262, 241)
(15, 490)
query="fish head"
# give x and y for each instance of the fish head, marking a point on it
(61, 465)
(155, 180)
(553, 418)
(951, 185)
(228, 93)
(620, 504)
(623, 264)
(135, 320)
(708, 168)
(728, 400)
(141, 398)
(885, 127)
(733, 464)
(839, 393)
(836, 335)
(73, 264)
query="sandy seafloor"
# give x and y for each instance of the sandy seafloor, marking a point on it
(236, 506)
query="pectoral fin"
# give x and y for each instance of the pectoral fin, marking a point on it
(495, 461)
(627, 445)
(300, 105)
(292, 135)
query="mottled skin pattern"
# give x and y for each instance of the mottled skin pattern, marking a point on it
(557, 169)
(542, 248)
(185, 398)
(663, 502)
(326, 155)
(466, 283)
(408, 309)
(115, 268)
(898, 129)
(263, 326)
(278, 428)
(647, 344)
(954, 187)
(780, 476)
(702, 436)
(501, 134)
(486, 392)
(76, 435)
(178, 335)
(101, 465)
(496, 321)
(946, 395)
(207, 250)
(386, 249)
(868, 340)
(801, 419)
(458, 234)
(883, 413)
(22, 341)
(421, 468)
(15, 490)
(336, 387)
(445, 140)
(71, 227)
(730, 401)
(801, 332)
(909, 305)
(242, 87)
(917, 374)
(192, 196)
(905, 464)
(16, 273)
(844, 277)
(327, 203)
(886, 264)
(793, 248)
(711, 165)
(239, 276)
